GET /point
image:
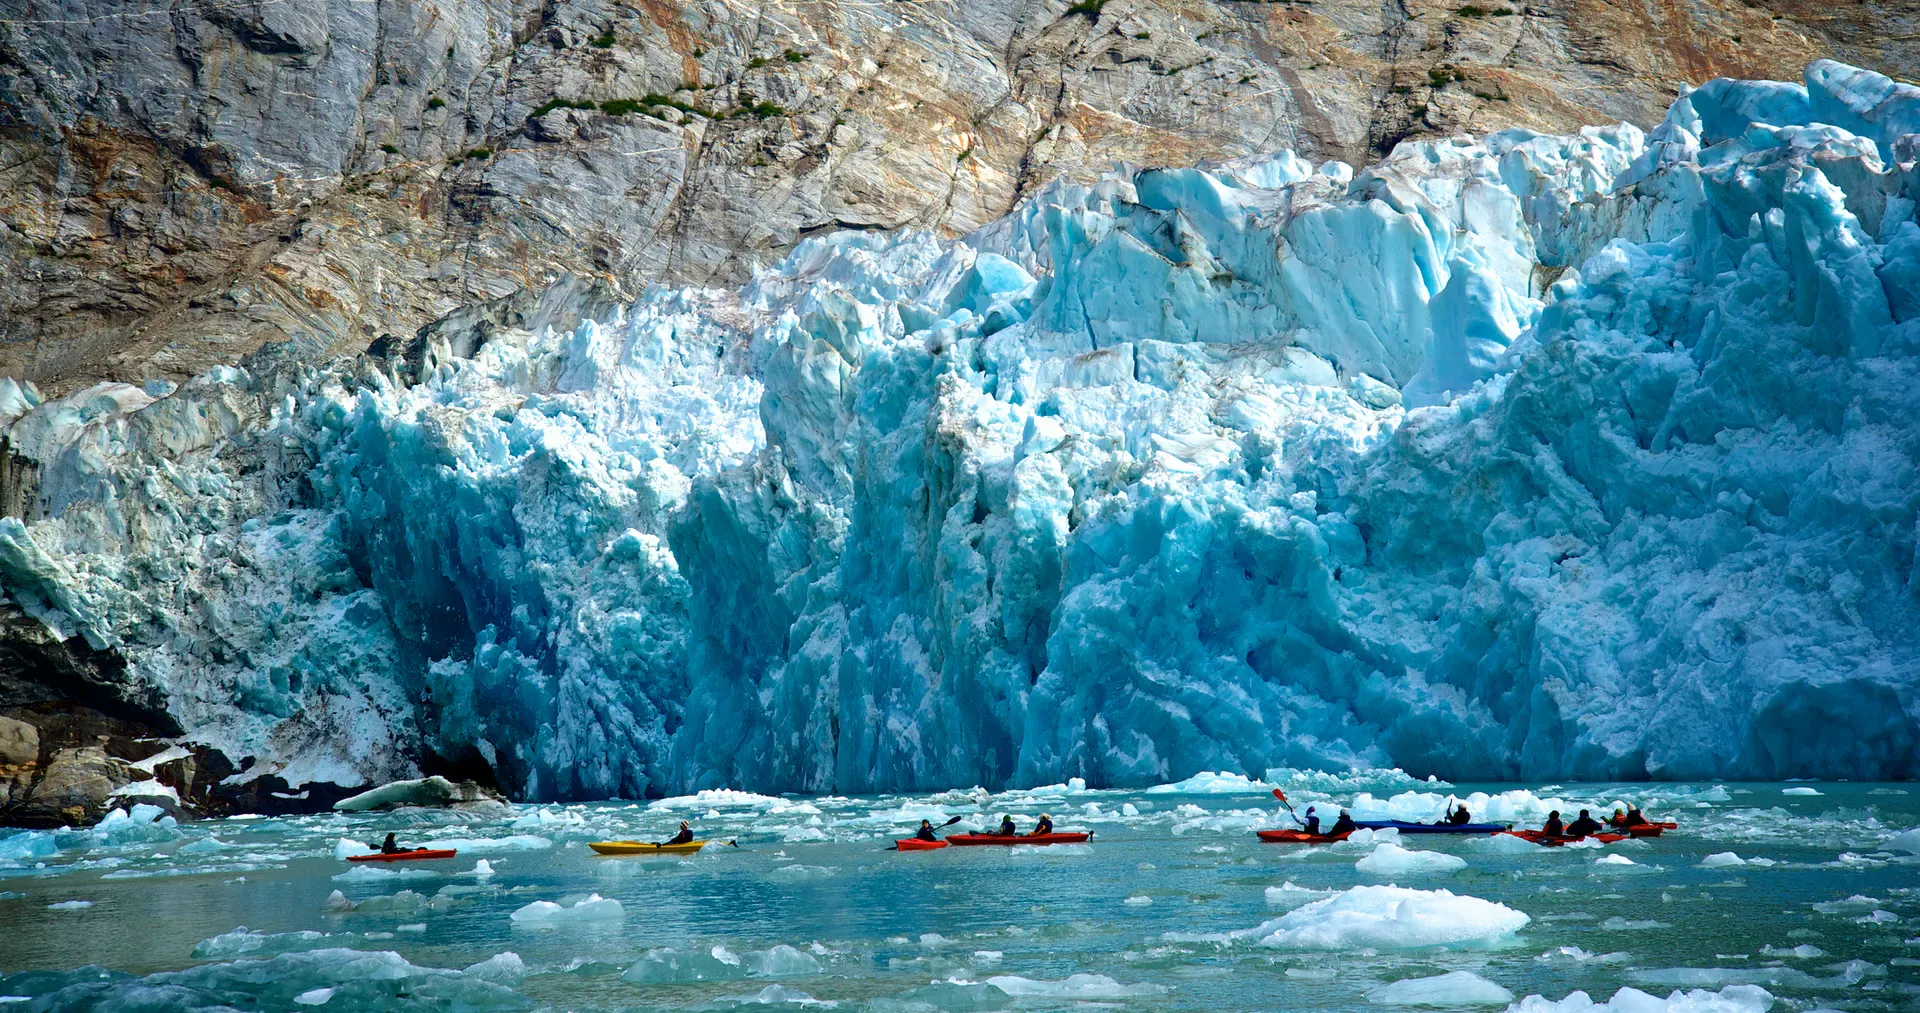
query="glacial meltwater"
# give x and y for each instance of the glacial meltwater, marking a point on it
(1766, 896)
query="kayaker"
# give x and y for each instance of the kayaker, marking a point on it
(685, 836)
(1583, 826)
(925, 833)
(1044, 827)
(1312, 823)
(1460, 817)
(1343, 825)
(1553, 827)
(1634, 817)
(1619, 818)
(389, 847)
(1007, 829)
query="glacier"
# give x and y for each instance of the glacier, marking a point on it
(1524, 456)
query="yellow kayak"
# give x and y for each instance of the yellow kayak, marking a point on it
(644, 848)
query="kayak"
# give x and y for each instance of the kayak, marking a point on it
(645, 848)
(1431, 828)
(1646, 830)
(976, 840)
(916, 844)
(1546, 840)
(404, 856)
(1300, 837)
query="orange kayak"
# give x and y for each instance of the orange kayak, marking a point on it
(1300, 837)
(977, 840)
(404, 856)
(916, 844)
(1547, 840)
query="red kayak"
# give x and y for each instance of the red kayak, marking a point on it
(977, 840)
(403, 856)
(1300, 837)
(1647, 830)
(916, 844)
(1547, 840)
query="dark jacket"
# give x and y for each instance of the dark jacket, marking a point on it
(685, 836)
(1343, 825)
(1583, 826)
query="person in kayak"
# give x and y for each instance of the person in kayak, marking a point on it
(1311, 824)
(925, 833)
(1618, 819)
(1584, 826)
(1459, 817)
(388, 847)
(1343, 825)
(1635, 818)
(1044, 827)
(1007, 829)
(685, 836)
(1553, 826)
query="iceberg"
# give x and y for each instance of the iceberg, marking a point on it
(1584, 457)
(1390, 859)
(1382, 917)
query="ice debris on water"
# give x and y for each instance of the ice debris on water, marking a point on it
(1209, 451)
(670, 966)
(1455, 988)
(589, 909)
(1390, 859)
(1381, 917)
(70, 905)
(1800, 790)
(1073, 986)
(1732, 999)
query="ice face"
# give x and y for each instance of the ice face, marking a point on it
(1528, 456)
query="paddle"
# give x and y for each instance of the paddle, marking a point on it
(942, 826)
(1282, 796)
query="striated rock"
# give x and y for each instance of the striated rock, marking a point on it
(183, 189)
(74, 788)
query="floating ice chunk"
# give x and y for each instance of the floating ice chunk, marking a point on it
(797, 871)
(375, 874)
(1848, 974)
(501, 969)
(1501, 844)
(344, 849)
(715, 798)
(482, 869)
(1138, 900)
(668, 966)
(1619, 924)
(783, 961)
(415, 927)
(1721, 860)
(1208, 782)
(1576, 955)
(1389, 859)
(1800, 790)
(336, 903)
(70, 905)
(242, 941)
(1455, 988)
(1856, 904)
(1613, 860)
(547, 914)
(1383, 917)
(28, 846)
(1804, 951)
(1074, 986)
(954, 996)
(314, 997)
(1288, 895)
(778, 995)
(1907, 841)
(1732, 999)
(512, 842)
(205, 845)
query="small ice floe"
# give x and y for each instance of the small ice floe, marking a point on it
(1456, 988)
(1074, 986)
(1138, 900)
(1380, 917)
(542, 914)
(1390, 859)
(1619, 924)
(70, 905)
(1801, 790)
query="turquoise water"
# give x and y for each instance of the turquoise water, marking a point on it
(1148, 907)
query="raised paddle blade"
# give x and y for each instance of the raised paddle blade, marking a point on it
(1281, 795)
(952, 821)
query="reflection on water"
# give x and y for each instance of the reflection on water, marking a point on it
(1175, 905)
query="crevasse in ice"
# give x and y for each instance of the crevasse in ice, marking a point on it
(1527, 456)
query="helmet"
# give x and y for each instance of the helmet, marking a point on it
(1044, 816)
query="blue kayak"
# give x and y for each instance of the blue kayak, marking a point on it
(1431, 828)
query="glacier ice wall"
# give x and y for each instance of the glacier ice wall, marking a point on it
(1570, 457)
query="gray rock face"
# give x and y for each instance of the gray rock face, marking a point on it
(186, 184)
